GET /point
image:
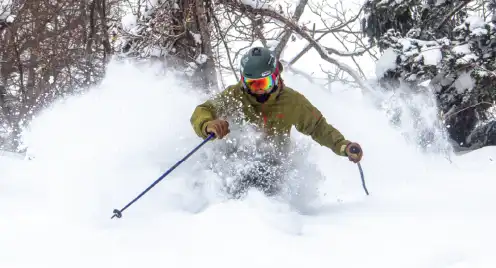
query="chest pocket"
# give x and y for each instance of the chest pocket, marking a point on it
(277, 122)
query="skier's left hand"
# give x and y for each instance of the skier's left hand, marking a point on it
(354, 152)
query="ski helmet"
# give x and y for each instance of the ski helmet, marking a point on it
(258, 62)
(259, 71)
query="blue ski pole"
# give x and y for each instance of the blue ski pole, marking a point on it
(363, 179)
(356, 151)
(118, 213)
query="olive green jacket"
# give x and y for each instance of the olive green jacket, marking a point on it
(284, 109)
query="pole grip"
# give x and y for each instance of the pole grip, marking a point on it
(355, 150)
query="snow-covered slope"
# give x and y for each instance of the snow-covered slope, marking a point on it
(96, 152)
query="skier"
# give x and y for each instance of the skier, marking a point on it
(262, 98)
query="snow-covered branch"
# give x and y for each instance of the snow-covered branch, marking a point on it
(348, 54)
(450, 14)
(460, 67)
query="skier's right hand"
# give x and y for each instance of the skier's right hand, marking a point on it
(218, 127)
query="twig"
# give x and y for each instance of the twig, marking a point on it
(287, 33)
(323, 54)
(449, 15)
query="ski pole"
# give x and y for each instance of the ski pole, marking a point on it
(356, 151)
(118, 213)
(363, 180)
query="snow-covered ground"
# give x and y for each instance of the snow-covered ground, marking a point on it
(96, 152)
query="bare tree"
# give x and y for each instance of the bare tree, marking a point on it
(206, 39)
(235, 32)
(327, 53)
(49, 49)
(342, 24)
(177, 31)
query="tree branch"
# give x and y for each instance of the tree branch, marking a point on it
(347, 54)
(287, 33)
(352, 56)
(304, 51)
(292, 26)
(223, 39)
(456, 9)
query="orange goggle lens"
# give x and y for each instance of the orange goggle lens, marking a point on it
(262, 85)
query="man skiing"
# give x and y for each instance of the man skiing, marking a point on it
(261, 98)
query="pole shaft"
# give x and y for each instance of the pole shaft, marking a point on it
(119, 212)
(363, 179)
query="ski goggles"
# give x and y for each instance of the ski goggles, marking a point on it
(259, 85)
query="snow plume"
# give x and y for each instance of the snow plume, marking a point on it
(246, 155)
(459, 70)
(412, 109)
(415, 114)
(133, 118)
(95, 152)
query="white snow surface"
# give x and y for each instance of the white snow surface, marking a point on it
(197, 38)
(440, 2)
(95, 152)
(475, 22)
(463, 49)
(464, 82)
(386, 62)
(201, 59)
(432, 55)
(129, 22)
(256, 3)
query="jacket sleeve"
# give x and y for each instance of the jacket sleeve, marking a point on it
(310, 121)
(209, 110)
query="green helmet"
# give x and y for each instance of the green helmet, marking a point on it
(258, 62)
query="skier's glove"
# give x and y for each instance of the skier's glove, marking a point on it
(354, 152)
(219, 127)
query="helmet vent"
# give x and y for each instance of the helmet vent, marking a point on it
(256, 52)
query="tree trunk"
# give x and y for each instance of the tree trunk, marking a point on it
(208, 67)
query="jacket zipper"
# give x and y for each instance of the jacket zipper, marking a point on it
(264, 116)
